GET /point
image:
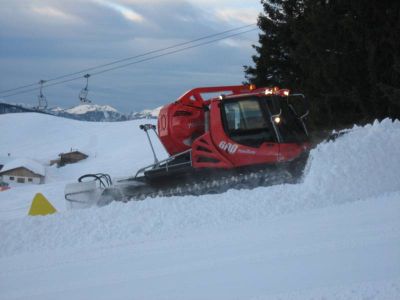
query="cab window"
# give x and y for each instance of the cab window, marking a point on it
(246, 122)
(244, 115)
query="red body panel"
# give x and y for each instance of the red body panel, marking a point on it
(206, 155)
(181, 127)
(194, 97)
(179, 123)
(289, 152)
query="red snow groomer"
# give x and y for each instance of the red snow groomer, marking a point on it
(243, 138)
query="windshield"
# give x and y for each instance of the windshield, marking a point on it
(290, 127)
(247, 121)
(244, 115)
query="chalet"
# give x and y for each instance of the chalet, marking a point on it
(23, 171)
(69, 158)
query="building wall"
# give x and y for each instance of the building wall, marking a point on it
(72, 157)
(24, 172)
(21, 179)
(21, 175)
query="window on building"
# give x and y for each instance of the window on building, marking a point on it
(30, 179)
(20, 180)
(11, 178)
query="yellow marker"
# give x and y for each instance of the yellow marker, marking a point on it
(41, 206)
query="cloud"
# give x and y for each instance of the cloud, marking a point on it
(236, 43)
(242, 15)
(42, 39)
(125, 11)
(54, 13)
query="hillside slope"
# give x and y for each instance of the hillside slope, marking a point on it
(118, 148)
(336, 235)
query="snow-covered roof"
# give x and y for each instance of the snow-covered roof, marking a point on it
(29, 164)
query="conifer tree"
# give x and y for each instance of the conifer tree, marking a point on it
(343, 54)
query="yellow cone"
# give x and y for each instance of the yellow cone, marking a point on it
(41, 206)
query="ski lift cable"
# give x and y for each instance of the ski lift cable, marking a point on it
(133, 63)
(169, 53)
(133, 57)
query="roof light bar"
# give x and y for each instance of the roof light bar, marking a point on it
(268, 91)
(276, 91)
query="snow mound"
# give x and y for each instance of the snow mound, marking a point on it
(362, 164)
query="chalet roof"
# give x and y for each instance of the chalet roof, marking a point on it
(73, 152)
(29, 164)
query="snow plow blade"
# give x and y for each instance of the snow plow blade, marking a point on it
(82, 194)
(93, 190)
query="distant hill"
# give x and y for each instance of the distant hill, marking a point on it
(6, 108)
(83, 112)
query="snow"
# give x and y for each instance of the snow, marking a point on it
(152, 112)
(333, 252)
(336, 235)
(29, 164)
(85, 108)
(57, 109)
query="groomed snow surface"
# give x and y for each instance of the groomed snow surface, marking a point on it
(336, 235)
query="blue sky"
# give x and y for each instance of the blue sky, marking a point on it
(41, 39)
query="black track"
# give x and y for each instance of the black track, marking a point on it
(189, 181)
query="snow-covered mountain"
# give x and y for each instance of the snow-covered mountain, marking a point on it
(7, 108)
(91, 112)
(86, 108)
(102, 113)
(84, 112)
(146, 114)
(335, 235)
